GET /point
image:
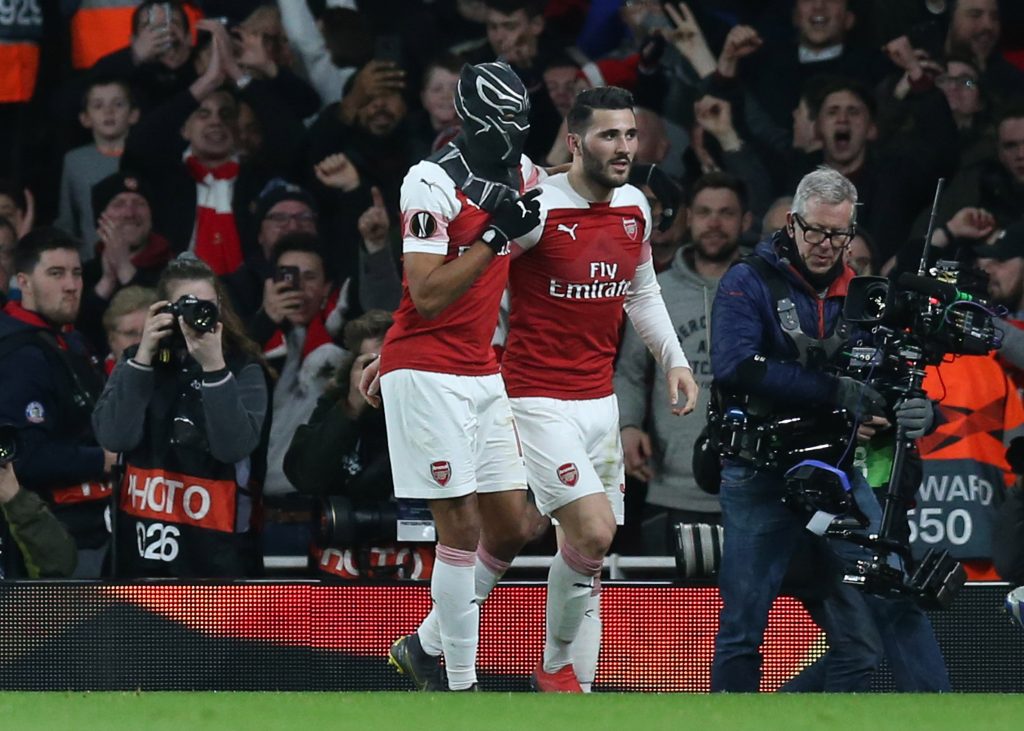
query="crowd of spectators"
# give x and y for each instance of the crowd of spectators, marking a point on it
(270, 141)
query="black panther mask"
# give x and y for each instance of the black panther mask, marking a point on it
(494, 107)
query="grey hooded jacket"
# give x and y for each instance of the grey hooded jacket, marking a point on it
(643, 399)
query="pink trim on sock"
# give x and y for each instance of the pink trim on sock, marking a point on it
(579, 563)
(492, 562)
(597, 586)
(455, 556)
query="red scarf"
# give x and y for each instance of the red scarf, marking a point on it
(316, 334)
(216, 234)
(15, 310)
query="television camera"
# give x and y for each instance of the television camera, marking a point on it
(915, 322)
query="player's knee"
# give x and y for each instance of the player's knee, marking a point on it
(457, 524)
(596, 538)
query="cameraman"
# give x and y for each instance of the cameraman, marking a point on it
(767, 355)
(188, 408)
(343, 451)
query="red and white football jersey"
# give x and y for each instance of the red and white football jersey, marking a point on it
(567, 290)
(438, 219)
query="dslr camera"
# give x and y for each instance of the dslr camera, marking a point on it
(200, 315)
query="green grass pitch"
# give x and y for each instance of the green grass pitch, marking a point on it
(498, 711)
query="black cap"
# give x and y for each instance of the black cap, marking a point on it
(278, 190)
(1008, 244)
(113, 185)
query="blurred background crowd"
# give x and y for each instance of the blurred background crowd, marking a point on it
(270, 140)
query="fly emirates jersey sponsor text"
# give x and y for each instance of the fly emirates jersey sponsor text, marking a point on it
(568, 286)
(437, 218)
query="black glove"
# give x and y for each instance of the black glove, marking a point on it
(859, 399)
(915, 415)
(512, 218)
(665, 189)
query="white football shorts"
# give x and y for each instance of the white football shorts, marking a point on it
(572, 449)
(449, 436)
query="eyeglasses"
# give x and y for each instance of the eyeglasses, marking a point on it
(280, 219)
(815, 236)
(965, 81)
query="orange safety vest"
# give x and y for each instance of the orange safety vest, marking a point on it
(982, 412)
(19, 67)
(100, 27)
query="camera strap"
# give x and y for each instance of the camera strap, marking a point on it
(81, 395)
(813, 352)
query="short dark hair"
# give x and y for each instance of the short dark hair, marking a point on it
(303, 241)
(175, 5)
(447, 61)
(600, 97)
(836, 84)
(94, 80)
(29, 250)
(965, 58)
(532, 8)
(718, 179)
(560, 59)
(371, 324)
(1012, 108)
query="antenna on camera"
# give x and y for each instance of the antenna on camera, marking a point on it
(931, 228)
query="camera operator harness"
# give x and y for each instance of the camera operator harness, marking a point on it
(751, 429)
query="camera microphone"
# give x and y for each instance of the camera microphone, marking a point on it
(942, 291)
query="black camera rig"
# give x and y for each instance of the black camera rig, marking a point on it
(914, 323)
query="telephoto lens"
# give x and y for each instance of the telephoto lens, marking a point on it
(342, 523)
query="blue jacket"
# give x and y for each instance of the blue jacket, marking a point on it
(750, 352)
(55, 443)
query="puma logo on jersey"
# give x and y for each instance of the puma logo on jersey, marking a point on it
(571, 230)
(430, 185)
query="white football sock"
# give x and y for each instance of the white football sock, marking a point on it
(570, 583)
(487, 571)
(586, 648)
(452, 589)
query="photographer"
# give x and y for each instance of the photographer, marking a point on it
(343, 452)
(188, 410)
(50, 383)
(768, 354)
